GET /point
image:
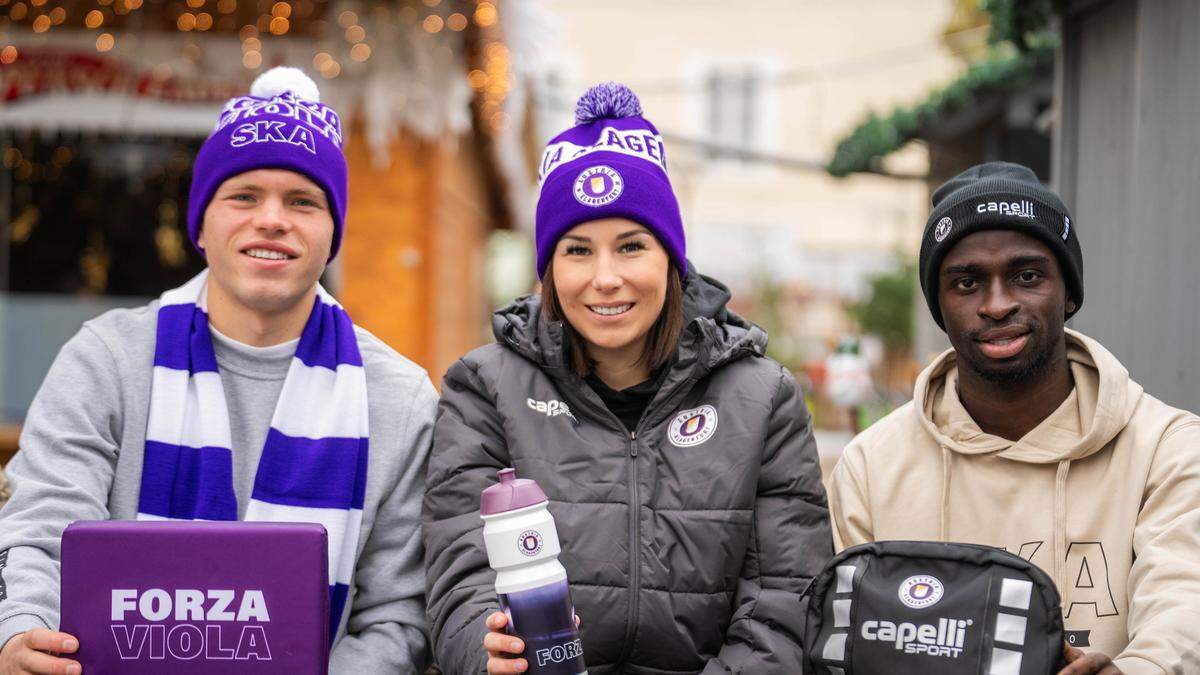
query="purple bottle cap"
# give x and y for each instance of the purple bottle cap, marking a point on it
(510, 494)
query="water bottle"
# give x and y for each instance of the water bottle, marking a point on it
(522, 546)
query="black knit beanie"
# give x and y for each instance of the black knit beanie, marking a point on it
(998, 196)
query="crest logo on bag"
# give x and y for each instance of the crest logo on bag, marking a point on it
(693, 427)
(921, 591)
(598, 185)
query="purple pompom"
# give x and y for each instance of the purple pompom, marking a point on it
(610, 100)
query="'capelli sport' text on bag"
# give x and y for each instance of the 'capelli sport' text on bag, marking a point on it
(918, 607)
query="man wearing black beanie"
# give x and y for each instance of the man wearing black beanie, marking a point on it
(1032, 437)
(995, 196)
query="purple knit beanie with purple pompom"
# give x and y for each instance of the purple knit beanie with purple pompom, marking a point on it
(611, 164)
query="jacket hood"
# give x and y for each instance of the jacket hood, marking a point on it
(712, 334)
(1099, 407)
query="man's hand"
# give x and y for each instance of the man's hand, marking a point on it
(1079, 663)
(36, 653)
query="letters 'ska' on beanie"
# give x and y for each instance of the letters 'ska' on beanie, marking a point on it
(281, 124)
(998, 196)
(611, 164)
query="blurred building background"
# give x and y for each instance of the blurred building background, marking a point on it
(804, 139)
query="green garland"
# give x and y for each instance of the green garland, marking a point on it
(1020, 22)
(1004, 69)
(1023, 48)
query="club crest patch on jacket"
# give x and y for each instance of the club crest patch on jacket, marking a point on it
(693, 427)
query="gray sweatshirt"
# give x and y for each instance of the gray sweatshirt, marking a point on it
(81, 459)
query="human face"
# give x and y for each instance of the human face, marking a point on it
(266, 236)
(1004, 304)
(610, 277)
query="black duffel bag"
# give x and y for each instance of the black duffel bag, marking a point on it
(919, 607)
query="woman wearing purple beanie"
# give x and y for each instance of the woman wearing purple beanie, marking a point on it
(678, 459)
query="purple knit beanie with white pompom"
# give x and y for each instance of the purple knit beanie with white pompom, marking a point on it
(281, 124)
(611, 164)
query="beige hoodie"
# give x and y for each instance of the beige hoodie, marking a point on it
(1104, 495)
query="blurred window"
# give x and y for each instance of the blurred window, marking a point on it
(95, 214)
(733, 100)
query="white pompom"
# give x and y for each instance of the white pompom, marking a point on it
(282, 78)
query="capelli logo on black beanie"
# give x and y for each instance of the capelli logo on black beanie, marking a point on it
(998, 196)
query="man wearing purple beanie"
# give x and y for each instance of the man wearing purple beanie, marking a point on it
(245, 394)
(678, 459)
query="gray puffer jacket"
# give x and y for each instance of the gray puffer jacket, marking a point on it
(687, 543)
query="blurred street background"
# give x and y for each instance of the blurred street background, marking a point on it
(804, 138)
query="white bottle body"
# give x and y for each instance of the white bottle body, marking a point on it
(520, 563)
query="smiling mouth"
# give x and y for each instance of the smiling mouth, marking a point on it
(611, 310)
(1004, 347)
(267, 254)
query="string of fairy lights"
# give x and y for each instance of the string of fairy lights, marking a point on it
(344, 35)
(255, 21)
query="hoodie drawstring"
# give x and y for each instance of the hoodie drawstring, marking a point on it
(946, 459)
(1059, 571)
(1060, 531)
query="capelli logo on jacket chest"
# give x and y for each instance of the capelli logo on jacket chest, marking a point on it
(550, 408)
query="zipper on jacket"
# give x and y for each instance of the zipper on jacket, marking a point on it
(635, 520)
(635, 562)
(635, 504)
(602, 412)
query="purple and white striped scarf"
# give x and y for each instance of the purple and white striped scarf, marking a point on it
(314, 462)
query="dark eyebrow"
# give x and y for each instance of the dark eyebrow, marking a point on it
(1019, 261)
(631, 233)
(1026, 260)
(962, 269)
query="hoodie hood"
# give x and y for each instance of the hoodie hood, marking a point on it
(712, 334)
(1098, 408)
